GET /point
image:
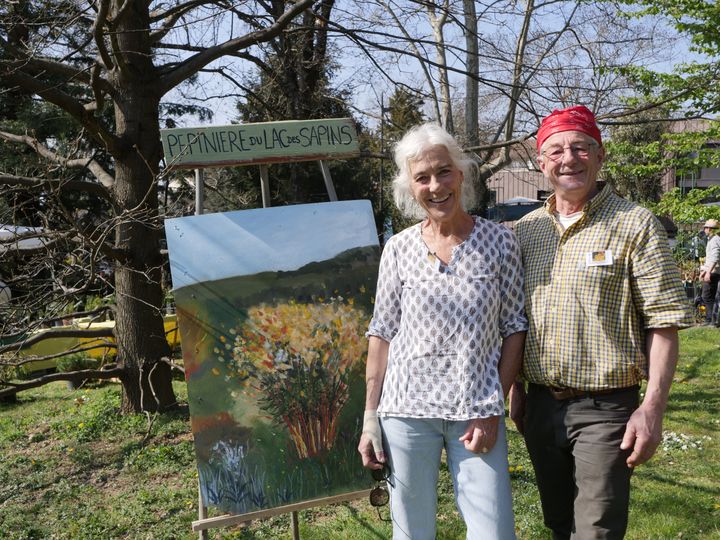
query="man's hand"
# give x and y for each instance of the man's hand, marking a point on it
(370, 447)
(643, 434)
(481, 434)
(705, 276)
(518, 400)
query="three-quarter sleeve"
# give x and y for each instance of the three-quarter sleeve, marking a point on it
(385, 322)
(512, 307)
(655, 279)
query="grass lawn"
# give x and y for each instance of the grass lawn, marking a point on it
(71, 468)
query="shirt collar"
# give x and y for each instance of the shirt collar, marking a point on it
(590, 207)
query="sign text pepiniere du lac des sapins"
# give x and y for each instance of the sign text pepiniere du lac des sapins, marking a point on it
(269, 142)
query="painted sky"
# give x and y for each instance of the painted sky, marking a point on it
(216, 246)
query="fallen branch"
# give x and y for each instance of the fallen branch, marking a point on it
(75, 376)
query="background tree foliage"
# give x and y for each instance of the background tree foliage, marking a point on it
(636, 156)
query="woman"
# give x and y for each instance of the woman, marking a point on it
(445, 344)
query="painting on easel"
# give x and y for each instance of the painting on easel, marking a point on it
(272, 308)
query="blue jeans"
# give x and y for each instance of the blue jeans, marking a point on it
(481, 481)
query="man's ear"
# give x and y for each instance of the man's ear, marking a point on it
(601, 154)
(541, 163)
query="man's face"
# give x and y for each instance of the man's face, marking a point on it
(571, 161)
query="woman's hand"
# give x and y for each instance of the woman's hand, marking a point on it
(370, 447)
(481, 434)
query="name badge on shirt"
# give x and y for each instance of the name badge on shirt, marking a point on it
(599, 258)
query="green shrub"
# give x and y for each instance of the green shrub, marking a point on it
(76, 362)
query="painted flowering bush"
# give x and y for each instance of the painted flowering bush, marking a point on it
(299, 358)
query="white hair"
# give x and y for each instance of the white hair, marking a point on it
(411, 148)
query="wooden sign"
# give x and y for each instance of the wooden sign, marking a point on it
(268, 142)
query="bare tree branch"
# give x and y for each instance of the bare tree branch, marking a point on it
(190, 66)
(93, 166)
(68, 104)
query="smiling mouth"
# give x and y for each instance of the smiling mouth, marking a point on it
(439, 201)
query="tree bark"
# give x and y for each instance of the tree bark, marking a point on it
(437, 23)
(472, 137)
(147, 385)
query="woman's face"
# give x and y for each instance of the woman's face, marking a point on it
(436, 183)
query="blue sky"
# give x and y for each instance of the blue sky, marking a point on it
(216, 246)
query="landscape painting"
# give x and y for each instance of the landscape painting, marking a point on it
(273, 305)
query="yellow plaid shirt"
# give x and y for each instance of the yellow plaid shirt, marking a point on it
(592, 291)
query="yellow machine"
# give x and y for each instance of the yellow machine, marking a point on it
(92, 347)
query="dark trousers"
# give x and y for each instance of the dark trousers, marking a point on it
(709, 291)
(574, 446)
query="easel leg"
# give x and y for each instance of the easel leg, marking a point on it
(202, 514)
(295, 526)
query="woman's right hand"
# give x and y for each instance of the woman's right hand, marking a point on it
(370, 447)
(481, 434)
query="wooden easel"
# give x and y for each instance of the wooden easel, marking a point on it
(260, 144)
(204, 523)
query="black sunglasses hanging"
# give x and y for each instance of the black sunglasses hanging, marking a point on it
(379, 495)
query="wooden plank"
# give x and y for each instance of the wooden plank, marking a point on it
(229, 519)
(266, 142)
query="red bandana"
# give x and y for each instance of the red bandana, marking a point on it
(578, 118)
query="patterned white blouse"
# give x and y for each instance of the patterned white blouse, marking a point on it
(445, 324)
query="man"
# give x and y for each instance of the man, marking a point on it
(710, 272)
(604, 302)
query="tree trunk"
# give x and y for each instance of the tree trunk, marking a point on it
(140, 334)
(437, 23)
(472, 137)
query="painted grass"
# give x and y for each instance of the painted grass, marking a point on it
(71, 468)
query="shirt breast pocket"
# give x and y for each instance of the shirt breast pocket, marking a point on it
(599, 279)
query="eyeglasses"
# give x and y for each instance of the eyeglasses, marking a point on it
(379, 495)
(556, 153)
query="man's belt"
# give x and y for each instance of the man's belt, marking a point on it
(562, 394)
